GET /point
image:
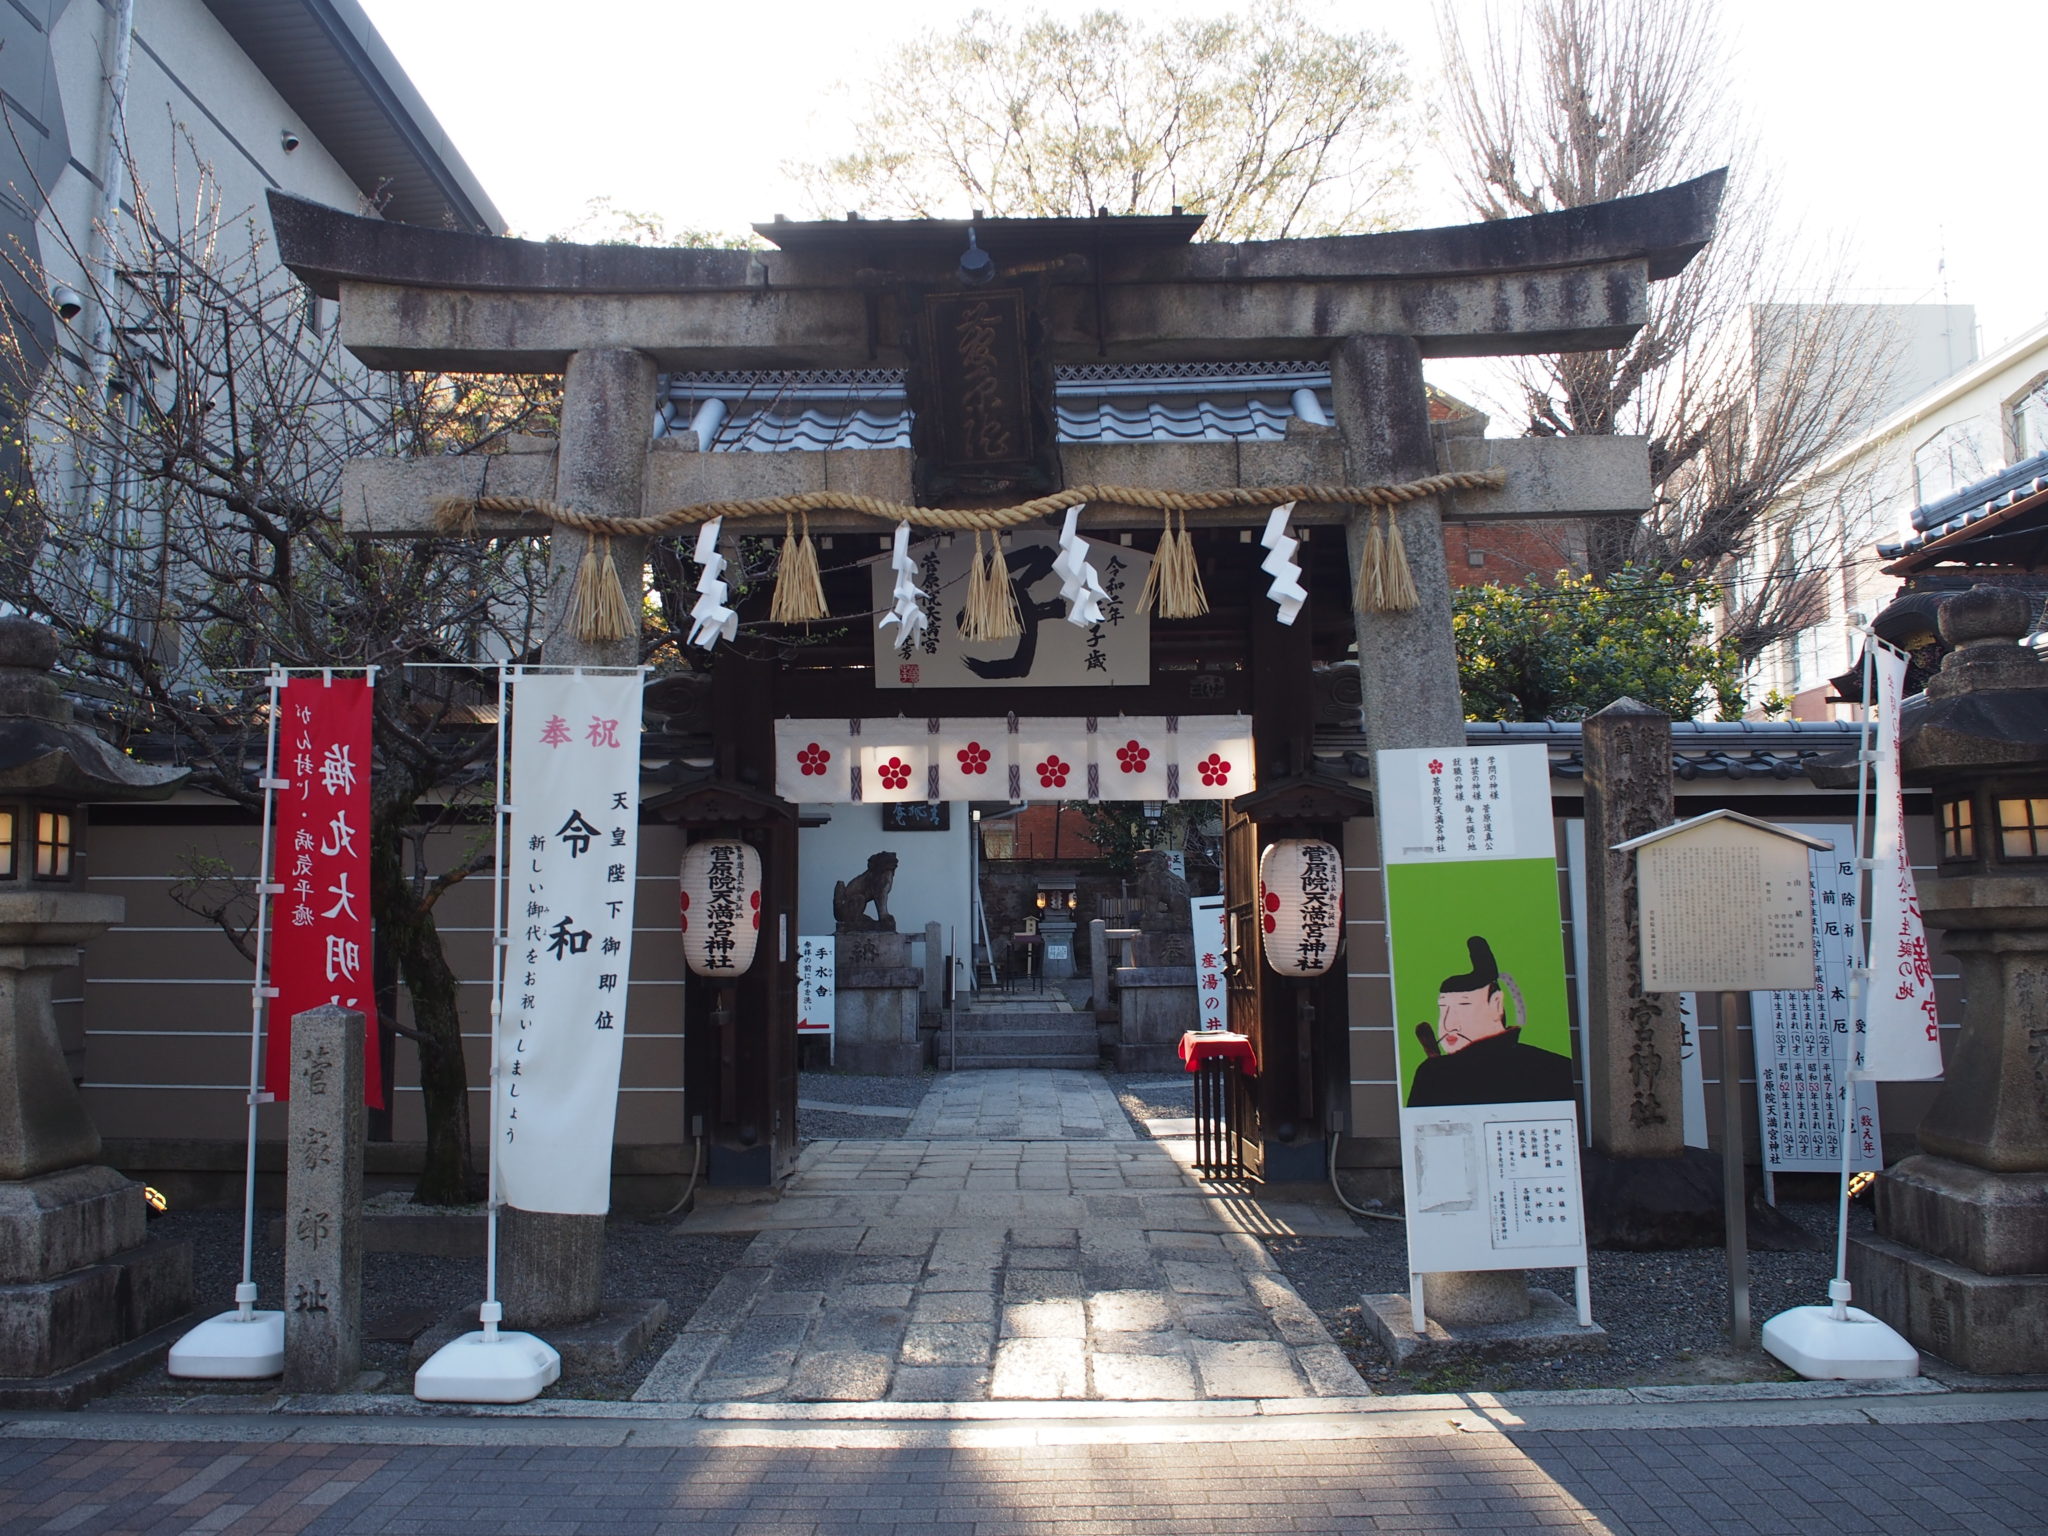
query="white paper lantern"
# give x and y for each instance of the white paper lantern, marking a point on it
(721, 907)
(1301, 905)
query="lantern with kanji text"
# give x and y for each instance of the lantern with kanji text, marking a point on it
(720, 910)
(1301, 905)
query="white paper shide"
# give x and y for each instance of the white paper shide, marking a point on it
(575, 794)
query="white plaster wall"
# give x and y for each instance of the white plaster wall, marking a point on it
(933, 878)
(1871, 493)
(192, 95)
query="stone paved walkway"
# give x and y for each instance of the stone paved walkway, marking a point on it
(988, 1268)
(1021, 1106)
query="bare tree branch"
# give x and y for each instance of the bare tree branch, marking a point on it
(1264, 121)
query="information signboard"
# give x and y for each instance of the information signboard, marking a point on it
(1489, 1126)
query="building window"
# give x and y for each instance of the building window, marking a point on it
(53, 845)
(1951, 459)
(2023, 829)
(1958, 831)
(2030, 422)
(6, 845)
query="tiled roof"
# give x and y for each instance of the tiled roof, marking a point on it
(1701, 749)
(866, 408)
(1971, 505)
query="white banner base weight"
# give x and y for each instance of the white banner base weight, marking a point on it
(488, 1367)
(231, 1347)
(1853, 1347)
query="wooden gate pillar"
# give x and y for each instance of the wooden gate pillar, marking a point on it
(1299, 1026)
(739, 1037)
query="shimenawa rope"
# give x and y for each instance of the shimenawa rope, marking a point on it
(1385, 582)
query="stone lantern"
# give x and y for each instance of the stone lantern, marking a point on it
(77, 1279)
(1960, 1262)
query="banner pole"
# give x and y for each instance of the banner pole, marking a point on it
(1734, 1197)
(490, 1313)
(245, 1293)
(1859, 977)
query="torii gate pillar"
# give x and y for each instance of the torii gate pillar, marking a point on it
(1408, 662)
(551, 1266)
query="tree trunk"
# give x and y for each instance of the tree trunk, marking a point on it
(449, 1174)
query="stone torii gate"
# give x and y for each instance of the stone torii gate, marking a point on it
(1124, 290)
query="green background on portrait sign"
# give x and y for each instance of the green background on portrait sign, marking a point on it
(1432, 908)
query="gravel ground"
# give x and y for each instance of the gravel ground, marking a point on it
(405, 1293)
(1665, 1313)
(857, 1088)
(1154, 1095)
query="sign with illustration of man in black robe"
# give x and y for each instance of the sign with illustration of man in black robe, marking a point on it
(1475, 1054)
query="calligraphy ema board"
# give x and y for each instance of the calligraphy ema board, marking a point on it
(1049, 653)
(572, 854)
(1725, 908)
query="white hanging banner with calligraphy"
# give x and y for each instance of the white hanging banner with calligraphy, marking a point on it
(1212, 978)
(572, 848)
(1049, 653)
(1902, 1031)
(817, 983)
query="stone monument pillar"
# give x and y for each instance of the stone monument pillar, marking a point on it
(1408, 662)
(1630, 1048)
(551, 1266)
(1959, 1264)
(323, 1204)
(78, 1277)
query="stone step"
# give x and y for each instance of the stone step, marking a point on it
(1074, 1063)
(1070, 1035)
(1027, 1042)
(981, 1023)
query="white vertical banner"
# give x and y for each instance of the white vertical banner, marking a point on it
(817, 983)
(1902, 1033)
(1212, 981)
(573, 845)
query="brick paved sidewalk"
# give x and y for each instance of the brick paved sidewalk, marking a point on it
(1976, 1478)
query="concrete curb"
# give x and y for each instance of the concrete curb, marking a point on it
(360, 1418)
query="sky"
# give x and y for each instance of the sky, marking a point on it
(1904, 135)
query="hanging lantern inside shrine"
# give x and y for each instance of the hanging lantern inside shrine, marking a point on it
(720, 906)
(1301, 905)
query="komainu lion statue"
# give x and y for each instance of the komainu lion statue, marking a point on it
(850, 898)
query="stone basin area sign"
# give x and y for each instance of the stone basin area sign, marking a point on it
(1726, 904)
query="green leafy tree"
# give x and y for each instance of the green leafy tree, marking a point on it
(1541, 651)
(1267, 123)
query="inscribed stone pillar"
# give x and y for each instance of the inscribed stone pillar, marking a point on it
(551, 1266)
(1098, 966)
(1629, 1048)
(323, 1203)
(1408, 662)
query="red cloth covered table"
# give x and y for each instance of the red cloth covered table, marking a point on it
(1199, 1045)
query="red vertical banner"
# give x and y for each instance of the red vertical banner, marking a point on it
(320, 920)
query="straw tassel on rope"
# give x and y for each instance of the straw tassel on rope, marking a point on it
(799, 596)
(1175, 580)
(1399, 590)
(991, 611)
(598, 611)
